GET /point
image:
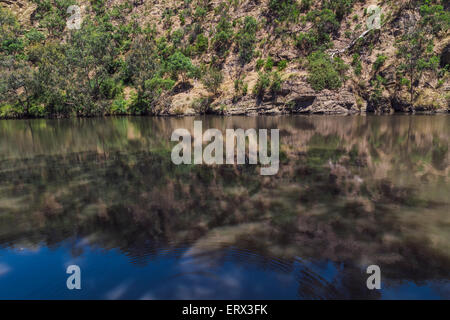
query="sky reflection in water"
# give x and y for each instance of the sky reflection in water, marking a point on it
(103, 194)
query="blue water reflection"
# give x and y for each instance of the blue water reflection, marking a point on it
(103, 194)
(176, 274)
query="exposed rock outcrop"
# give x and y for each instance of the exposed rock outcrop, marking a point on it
(445, 56)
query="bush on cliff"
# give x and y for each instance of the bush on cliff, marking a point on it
(324, 73)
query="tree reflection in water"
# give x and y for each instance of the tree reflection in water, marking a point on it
(351, 191)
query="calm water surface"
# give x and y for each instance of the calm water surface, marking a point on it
(104, 194)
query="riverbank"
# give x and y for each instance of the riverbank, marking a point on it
(272, 58)
(307, 105)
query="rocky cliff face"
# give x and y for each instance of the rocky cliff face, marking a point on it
(288, 56)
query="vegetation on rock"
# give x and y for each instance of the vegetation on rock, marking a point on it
(139, 57)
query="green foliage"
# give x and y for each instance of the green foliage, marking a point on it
(308, 41)
(356, 63)
(11, 41)
(284, 9)
(325, 22)
(435, 17)
(201, 44)
(202, 105)
(341, 8)
(268, 66)
(120, 106)
(282, 65)
(262, 84)
(47, 70)
(377, 92)
(12, 45)
(200, 12)
(158, 84)
(275, 86)
(379, 62)
(240, 88)
(149, 93)
(34, 36)
(223, 38)
(340, 66)
(305, 5)
(212, 80)
(179, 64)
(447, 98)
(177, 37)
(98, 6)
(415, 51)
(52, 14)
(91, 53)
(267, 81)
(246, 40)
(182, 18)
(8, 22)
(84, 75)
(324, 72)
(259, 64)
(405, 82)
(324, 25)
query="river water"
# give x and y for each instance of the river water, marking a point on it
(104, 194)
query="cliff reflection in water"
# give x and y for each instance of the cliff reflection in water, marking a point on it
(351, 192)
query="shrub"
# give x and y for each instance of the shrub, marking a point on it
(305, 5)
(307, 41)
(269, 64)
(284, 9)
(262, 84)
(259, 64)
(378, 88)
(240, 88)
(246, 40)
(119, 106)
(212, 80)
(109, 89)
(436, 17)
(201, 44)
(266, 80)
(379, 62)
(282, 65)
(177, 37)
(52, 14)
(223, 38)
(245, 89)
(323, 72)
(202, 105)
(356, 63)
(35, 36)
(325, 22)
(341, 8)
(340, 66)
(179, 64)
(275, 87)
(200, 12)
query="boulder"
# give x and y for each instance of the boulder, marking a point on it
(334, 102)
